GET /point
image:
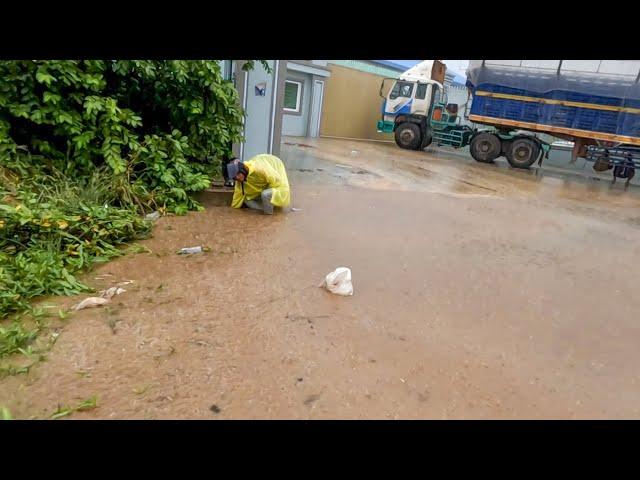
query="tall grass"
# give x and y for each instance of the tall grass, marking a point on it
(53, 227)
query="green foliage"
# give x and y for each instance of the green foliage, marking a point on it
(15, 338)
(64, 411)
(157, 126)
(52, 228)
(88, 146)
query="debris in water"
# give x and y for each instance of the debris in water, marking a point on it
(338, 282)
(111, 292)
(104, 298)
(293, 209)
(91, 302)
(311, 399)
(215, 409)
(101, 277)
(192, 250)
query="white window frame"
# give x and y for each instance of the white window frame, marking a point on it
(298, 96)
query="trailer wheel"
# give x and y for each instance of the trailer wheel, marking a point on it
(522, 153)
(408, 136)
(485, 147)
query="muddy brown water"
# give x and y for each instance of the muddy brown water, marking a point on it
(480, 292)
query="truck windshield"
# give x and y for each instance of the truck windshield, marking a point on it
(401, 89)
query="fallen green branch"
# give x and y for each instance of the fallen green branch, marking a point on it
(88, 404)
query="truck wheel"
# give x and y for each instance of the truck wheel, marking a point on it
(485, 147)
(426, 139)
(522, 153)
(408, 136)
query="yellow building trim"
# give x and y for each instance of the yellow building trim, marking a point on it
(566, 103)
(550, 128)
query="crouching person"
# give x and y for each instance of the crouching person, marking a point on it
(261, 183)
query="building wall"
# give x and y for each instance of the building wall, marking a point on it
(312, 74)
(352, 104)
(263, 119)
(295, 124)
(368, 66)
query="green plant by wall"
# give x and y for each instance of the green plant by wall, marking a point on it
(158, 126)
(87, 147)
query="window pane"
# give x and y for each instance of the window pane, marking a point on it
(401, 89)
(395, 91)
(437, 97)
(227, 69)
(290, 95)
(421, 91)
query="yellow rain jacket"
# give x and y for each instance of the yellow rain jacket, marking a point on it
(265, 171)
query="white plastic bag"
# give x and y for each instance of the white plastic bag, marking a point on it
(152, 216)
(91, 302)
(339, 282)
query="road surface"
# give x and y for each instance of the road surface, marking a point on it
(480, 292)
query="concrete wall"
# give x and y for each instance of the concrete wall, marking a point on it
(312, 74)
(352, 105)
(263, 114)
(296, 124)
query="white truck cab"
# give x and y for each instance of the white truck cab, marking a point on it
(416, 109)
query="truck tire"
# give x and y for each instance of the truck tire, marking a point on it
(408, 136)
(522, 152)
(427, 138)
(485, 147)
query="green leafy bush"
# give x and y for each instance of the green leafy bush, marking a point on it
(86, 148)
(160, 127)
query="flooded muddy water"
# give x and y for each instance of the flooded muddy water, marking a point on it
(480, 292)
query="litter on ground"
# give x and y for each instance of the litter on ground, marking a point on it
(110, 292)
(91, 302)
(190, 250)
(104, 298)
(339, 282)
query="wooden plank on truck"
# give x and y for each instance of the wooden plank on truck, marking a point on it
(438, 71)
(553, 129)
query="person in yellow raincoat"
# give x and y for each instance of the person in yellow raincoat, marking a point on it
(261, 183)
